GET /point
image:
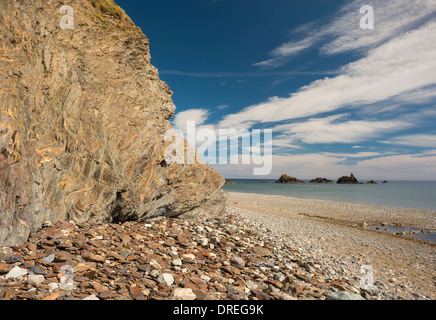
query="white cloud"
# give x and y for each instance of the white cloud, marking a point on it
(286, 50)
(223, 106)
(198, 115)
(334, 129)
(415, 140)
(420, 95)
(402, 65)
(391, 18)
(407, 166)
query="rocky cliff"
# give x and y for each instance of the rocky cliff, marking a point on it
(83, 116)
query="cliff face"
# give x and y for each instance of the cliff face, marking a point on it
(83, 116)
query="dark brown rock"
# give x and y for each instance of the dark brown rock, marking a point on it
(5, 268)
(351, 179)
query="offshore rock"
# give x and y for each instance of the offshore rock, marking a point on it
(287, 179)
(371, 182)
(348, 180)
(83, 119)
(321, 180)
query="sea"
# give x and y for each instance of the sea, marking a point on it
(406, 194)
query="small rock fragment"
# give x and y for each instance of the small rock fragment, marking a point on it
(16, 272)
(343, 295)
(35, 279)
(183, 294)
(166, 279)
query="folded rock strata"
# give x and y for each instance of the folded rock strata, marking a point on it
(83, 116)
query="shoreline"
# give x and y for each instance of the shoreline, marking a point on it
(407, 217)
(332, 233)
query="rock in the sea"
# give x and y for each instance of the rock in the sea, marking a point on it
(229, 181)
(84, 122)
(371, 182)
(343, 295)
(321, 180)
(386, 181)
(351, 179)
(288, 179)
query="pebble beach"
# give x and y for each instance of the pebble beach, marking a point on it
(333, 236)
(262, 248)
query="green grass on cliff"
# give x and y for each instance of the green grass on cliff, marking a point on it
(111, 15)
(108, 7)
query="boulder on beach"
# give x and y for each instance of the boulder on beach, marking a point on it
(288, 179)
(321, 180)
(351, 179)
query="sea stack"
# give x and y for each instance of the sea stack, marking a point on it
(288, 179)
(83, 123)
(351, 179)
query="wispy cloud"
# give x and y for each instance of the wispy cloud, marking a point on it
(402, 65)
(223, 107)
(343, 33)
(335, 129)
(414, 140)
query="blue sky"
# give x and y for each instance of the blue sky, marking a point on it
(338, 98)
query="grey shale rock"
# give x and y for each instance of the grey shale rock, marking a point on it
(16, 272)
(35, 279)
(343, 295)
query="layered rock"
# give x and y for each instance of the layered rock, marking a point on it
(288, 179)
(351, 179)
(83, 115)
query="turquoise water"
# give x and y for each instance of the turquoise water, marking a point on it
(407, 194)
